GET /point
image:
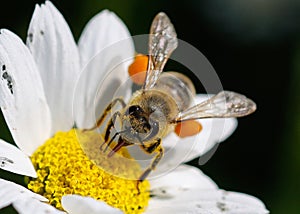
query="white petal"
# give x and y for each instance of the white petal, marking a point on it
(210, 201)
(184, 177)
(102, 31)
(14, 160)
(25, 205)
(10, 192)
(178, 209)
(106, 50)
(180, 150)
(55, 52)
(214, 131)
(22, 99)
(75, 204)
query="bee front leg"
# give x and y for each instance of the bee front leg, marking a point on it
(106, 111)
(109, 126)
(155, 147)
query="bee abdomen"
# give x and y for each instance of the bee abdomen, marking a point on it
(178, 86)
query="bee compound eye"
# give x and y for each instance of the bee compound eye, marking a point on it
(134, 109)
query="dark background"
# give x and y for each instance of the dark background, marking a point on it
(253, 46)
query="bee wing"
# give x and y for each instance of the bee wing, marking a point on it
(224, 104)
(162, 42)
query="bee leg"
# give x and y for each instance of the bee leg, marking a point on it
(108, 144)
(153, 164)
(107, 109)
(150, 149)
(110, 125)
(116, 148)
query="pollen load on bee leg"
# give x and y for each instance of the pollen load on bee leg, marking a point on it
(188, 128)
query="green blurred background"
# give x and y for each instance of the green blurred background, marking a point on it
(254, 47)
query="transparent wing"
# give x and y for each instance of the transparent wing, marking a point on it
(224, 104)
(162, 42)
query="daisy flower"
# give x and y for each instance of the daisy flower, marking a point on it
(37, 89)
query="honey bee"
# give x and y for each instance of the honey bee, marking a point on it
(164, 102)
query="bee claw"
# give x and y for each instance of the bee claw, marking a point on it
(101, 147)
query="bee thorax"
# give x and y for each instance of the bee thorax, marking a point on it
(148, 115)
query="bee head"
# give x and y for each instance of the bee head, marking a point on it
(141, 125)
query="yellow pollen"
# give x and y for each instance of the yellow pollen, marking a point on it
(63, 168)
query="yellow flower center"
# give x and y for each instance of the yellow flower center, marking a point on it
(63, 168)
